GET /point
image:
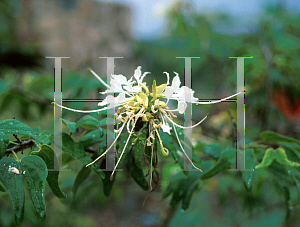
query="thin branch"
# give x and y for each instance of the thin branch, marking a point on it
(21, 146)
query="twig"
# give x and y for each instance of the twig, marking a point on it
(21, 146)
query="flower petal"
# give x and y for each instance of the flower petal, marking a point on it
(166, 128)
(137, 73)
(181, 106)
(168, 92)
(176, 83)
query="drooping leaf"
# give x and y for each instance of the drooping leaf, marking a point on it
(280, 173)
(2, 188)
(107, 183)
(139, 148)
(282, 158)
(71, 125)
(4, 140)
(222, 164)
(15, 127)
(295, 148)
(48, 155)
(76, 150)
(182, 187)
(14, 186)
(136, 172)
(273, 137)
(80, 178)
(249, 164)
(34, 171)
(284, 190)
(267, 159)
(88, 122)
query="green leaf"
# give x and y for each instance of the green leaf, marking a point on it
(37, 129)
(80, 178)
(248, 175)
(34, 171)
(273, 137)
(76, 150)
(107, 183)
(267, 159)
(71, 125)
(182, 187)
(222, 164)
(213, 150)
(107, 121)
(44, 137)
(283, 159)
(139, 148)
(280, 173)
(13, 184)
(2, 188)
(121, 144)
(4, 140)
(88, 122)
(48, 155)
(284, 190)
(92, 137)
(136, 172)
(15, 127)
(170, 142)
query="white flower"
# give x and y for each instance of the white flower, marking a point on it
(135, 105)
(166, 128)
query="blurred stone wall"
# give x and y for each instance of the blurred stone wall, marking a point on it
(84, 30)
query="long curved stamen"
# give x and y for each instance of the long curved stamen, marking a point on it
(82, 111)
(98, 77)
(151, 167)
(184, 150)
(128, 123)
(180, 126)
(218, 101)
(111, 176)
(120, 131)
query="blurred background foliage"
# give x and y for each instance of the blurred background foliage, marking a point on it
(272, 103)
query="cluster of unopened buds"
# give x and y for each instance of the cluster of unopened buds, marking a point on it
(135, 101)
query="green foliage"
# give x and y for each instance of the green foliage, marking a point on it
(71, 125)
(15, 127)
(80, 178)
(13, 184)
(3, 143)
(135, 171)
(48, 155)
(267, 160)
(227, 157)
(182, 187)
(76, 150)
(88, 122)
(33, 169)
